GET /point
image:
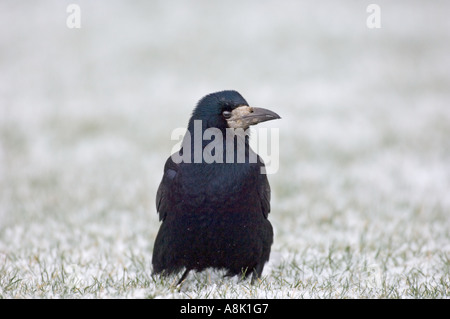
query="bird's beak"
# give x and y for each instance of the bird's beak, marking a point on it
(244, 116)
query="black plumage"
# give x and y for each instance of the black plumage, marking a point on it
(215, 214)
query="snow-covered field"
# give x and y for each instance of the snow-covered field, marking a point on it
(360, 204)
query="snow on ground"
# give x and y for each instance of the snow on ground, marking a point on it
(360, 204)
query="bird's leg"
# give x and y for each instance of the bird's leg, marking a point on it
(183, 277)
(256, 275)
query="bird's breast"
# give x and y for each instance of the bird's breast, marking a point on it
(220, 184)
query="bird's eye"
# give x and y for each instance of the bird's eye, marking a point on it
(226, 114)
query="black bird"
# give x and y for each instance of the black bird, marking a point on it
(214, 214)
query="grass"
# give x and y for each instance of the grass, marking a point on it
(359, 205)
(370, 269)
(325, 276)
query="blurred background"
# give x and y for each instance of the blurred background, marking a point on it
(86, 115)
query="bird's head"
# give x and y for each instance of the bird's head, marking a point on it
(228, 109)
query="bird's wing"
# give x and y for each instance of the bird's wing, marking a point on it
(264, 194)
(163, 204)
